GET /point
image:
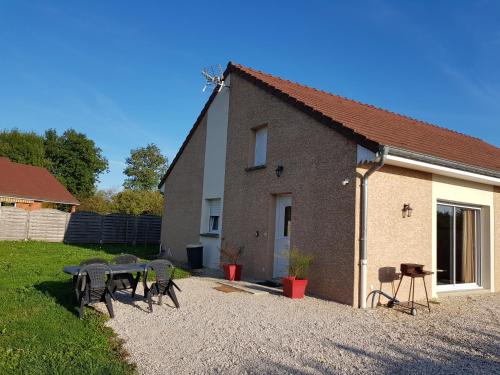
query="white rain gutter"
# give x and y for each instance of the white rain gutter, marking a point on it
(363, 262)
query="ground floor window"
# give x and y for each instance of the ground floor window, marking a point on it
(458, 246)
(214, 212)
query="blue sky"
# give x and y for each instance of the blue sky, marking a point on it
(128, 73)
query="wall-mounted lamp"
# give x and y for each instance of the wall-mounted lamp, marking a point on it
(345, 182)
(407, 210)
(279, 170)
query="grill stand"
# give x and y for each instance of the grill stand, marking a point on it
(410, 304)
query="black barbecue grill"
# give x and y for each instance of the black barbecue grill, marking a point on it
(413, 271)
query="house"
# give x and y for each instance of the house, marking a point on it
(270, 165)
(31, 188)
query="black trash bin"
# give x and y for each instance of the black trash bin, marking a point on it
(195, 256)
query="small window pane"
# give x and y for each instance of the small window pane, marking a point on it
(214, 208)
(288, 221)
(260, 146)
(214, 223)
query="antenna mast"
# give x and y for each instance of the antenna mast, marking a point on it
(214, 76)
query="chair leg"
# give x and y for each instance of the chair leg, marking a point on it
(136, 281)
(397, 289)
(173, 297)
(82, 307)
(150, 301)
(160, 299)
(109, 305)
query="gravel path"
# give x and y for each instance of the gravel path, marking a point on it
(240, 333)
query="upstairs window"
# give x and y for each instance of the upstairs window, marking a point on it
(260, 152)
(214, 213)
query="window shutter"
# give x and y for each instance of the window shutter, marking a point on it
(214, 207)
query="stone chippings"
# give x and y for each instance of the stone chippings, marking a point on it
(239, 333)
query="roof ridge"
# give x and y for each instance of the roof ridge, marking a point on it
(360, 103)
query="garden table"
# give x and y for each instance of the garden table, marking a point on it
(116, 269)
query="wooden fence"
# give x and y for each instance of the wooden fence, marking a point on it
(80, 227)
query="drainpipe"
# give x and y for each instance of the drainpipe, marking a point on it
(364, 224)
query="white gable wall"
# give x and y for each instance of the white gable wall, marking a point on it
(213, 177)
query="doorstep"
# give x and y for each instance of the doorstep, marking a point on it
(249, 287)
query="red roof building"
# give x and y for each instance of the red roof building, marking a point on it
(30, 187)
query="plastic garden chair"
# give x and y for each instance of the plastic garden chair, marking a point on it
(95, 281)
(125, 281)
(163, 284)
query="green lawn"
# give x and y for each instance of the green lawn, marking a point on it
(40, 332)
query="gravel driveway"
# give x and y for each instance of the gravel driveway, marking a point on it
(238, 333)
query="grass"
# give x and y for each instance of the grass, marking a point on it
(40, 332)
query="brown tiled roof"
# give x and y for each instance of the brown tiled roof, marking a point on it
(370, 124)
(27, 181)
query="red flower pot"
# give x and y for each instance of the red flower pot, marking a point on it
(293, 287)
(232, 272)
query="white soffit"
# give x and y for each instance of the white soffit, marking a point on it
(444, 171)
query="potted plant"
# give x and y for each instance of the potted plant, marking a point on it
(294, 286)
(232, 270)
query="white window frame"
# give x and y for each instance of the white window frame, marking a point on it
(214, 210)
(479, 250)
(260, 149)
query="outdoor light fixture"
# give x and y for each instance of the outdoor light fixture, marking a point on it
(279, 170)
(345, 182)
(407, 210)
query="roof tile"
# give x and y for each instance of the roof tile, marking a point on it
(27, 181)
(385, 127)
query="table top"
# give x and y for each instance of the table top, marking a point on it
(115, 268)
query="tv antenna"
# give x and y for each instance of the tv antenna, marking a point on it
(214, 76)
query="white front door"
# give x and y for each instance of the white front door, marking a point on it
(282, 235)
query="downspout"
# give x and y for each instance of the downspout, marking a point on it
(364, 225)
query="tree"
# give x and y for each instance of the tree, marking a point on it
(75, 160)
(145, 167)
(137, 202)
(25, 148)
(100, 203)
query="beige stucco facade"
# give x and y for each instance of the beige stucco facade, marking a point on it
(392, 239)
(496, 223)
(183, 191)
(315, 160)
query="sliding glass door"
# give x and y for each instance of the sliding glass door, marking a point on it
(458, 247)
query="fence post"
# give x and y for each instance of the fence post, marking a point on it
(126, 230)
(68, 218)
(27, 233)
(102, 229)
(135, 231)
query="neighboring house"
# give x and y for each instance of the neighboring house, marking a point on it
(31, 188)
(270, 164)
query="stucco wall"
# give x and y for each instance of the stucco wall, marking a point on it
(214, 171)
(183, 197)
(497, 238)
(315, 159)
(392, 239)
(467, 192)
